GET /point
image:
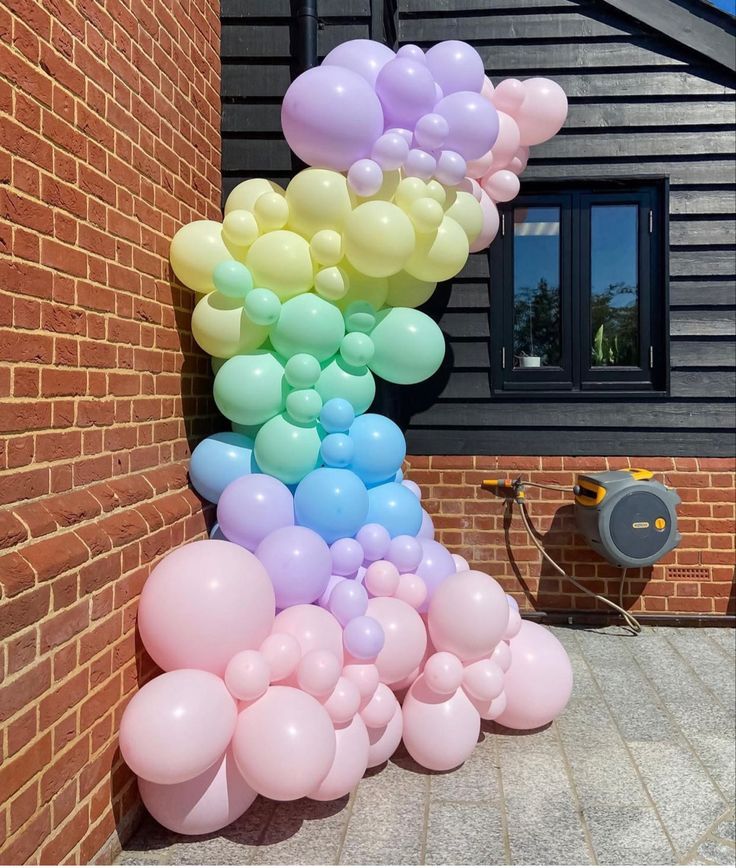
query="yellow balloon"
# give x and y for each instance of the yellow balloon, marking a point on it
(221, 327)
(426, 214)
(362, 288)
(467, 212)
(318, 199)
(331, 283)
(404, 290)
(326, 247)
(379, 238)
(195, 251)
(245, 194)
(239, 229)
(280, 261)
(441, 255)
(271, 211)
(436, 191)
(408, 190)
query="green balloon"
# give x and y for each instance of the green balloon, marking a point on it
(356, 349)
(248, 431)
(216, 363)
(251, 389)
(303, 405)
(232, 278)
(340, 380)
(286, 450)
(302, 371)
(409, 346)
(262, 306)
(308, 324)
(360, 317)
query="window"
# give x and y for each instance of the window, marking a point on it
(578, 295)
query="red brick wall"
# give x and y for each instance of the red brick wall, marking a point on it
(697, 577)
(109, 141)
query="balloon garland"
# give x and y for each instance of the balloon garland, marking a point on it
(322, 597)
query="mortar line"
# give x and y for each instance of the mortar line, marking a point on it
(502, 800)
(706, 687)
(346, 824)
(425, 821)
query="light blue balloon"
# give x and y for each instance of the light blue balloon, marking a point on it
(396, 508)
(218, 460)
(331, 502)
(337, 450)
(337, 415)
(379, 448)
(216, 533)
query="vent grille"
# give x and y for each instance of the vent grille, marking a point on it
(688, 574)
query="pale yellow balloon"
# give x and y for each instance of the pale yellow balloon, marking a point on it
(239, 228)
(362, 288)
(405, 290)
(467, 212)
(441, 255)
(280, 261)
(436, 191)
(195, 251)
(331, 283)
(379, 238)
(326, 247)
(318, 199)
(245, 194)
(408, 190)
(221, 327)
(271, 210)
(426, 214)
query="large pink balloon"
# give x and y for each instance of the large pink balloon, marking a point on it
(538, 683)
(349, 765)
(405, 637)
(385, 739)
(543, 111)
(204, 602)
(507, 143)
(491, 222)
(366, 57)
(177, 726)
(440, 732)
(284, 744)
(468, 615)
(313, 627)
(203, 804)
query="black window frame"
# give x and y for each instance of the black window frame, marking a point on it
(576, 376)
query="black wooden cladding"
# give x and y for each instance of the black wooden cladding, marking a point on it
(642, 104)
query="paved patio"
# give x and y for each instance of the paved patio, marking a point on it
(639, 770)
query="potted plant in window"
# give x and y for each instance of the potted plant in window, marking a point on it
(529, 361)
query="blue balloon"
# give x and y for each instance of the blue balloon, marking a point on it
(216, 532)
(379, 448)
(331, 502)
(337, 450)
(395, 507)
(218, 460)
(337, 415)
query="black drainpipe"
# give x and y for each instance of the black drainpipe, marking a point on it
(307, 26)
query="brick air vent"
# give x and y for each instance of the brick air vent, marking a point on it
(688, 574)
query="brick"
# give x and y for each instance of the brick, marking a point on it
(16, 694)
(53, 557)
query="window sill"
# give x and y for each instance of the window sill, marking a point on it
(602, 395)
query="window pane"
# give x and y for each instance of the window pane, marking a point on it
(537, 333)
(614, 284)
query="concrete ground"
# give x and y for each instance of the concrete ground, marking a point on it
(638, 770)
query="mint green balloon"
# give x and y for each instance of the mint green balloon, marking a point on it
(262, 306)
(251, 389)
(232, 278)
(249, 431)
(356, 349)
(408, 346)
(303, 406)
(302, 371)
(340, 380)
(286, 450)
(308, 324)
(216, 363)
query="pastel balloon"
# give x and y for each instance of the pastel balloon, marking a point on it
(440, 732)
(419, 164)
(390, 151)
(514, 624)
(491, 222)
(379, 238)
(202, 603)
(302, 371)
(405, 88)
(539, 681)
(331, 283)
(333, 502)
(480, 167)
(331, 117)
(362, 288)
(501, 186)
(490, 710)
(456, 66)
(347, 556)
(507, 142)
(431, 131)
(375, 540)
(303, 406)
(249, 389)
(426, 215)
(508, 95)
(409, 345)
(245, 194)
(379, 448)
(218, 460)
(287, 450)
(483, 680)
(440, 255)
(195, 251)
(409, 190)
(356, 349)
(247, 675)
(202, 805)
(318, 673)
(284, 744)
(502, 656)
(451, 168)
(318, 199)
(308, 324)
(282, 653)
(298, 563)
(365, 678)
(262, 306)
(312, 627)
(222, 328)
(326, 246)
(460, 563)
(348, 600)
(177, 726)
(384, 740)
(443, 673)
(252, 507)
(405, 638)
(366, 57)
(405, 552)
(271, 210)
(337, 415)
(395, 507)
(363, 637)
(349, 764)
(379, 710)
(365, 177)
(543, 111)
(239, 229)
(435, 566)
(467, 212)
(404, 290)
(426, 531)
(468, 614)
(473, 123)
(381, 578)
(344, 701)
(340, 380)
(281, 262)
(411, 589)
(232, 278)
(487, 88)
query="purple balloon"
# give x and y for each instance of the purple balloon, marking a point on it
(431, 131)
(426, 531)
(390, 151)
(405, 553)
(436, 564)
(298, 563)
(456, 66)
(253, 506)
(406, 91)
(451, 168)
(419, 164)
(348, 600)
(365, 177)
(324, 598)
(363, 637)
(347, 555)
(363, 56)
(406, 135)
(413, 52)
(331, 117)
(375, 540)
(473, 123)
(413, 487)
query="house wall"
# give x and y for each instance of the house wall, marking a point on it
(109, 141)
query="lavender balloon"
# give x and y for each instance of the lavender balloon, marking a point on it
(419, 164)
(347, 555)
(426, 531)
(253, 506)
(363, 637)
(436, 564)
(412, 486)
(414, 52)
(365, 177)
(363, 56)
(406, 91)
(375, 540)
(390, 151)
(473, 123)
(298, 563)
(431, 131)
(405, 553)
(455, 66)
(348, 600)
(451, 168)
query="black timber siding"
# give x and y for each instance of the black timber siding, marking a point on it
(641, 104)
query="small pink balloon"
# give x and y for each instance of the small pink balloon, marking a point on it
(514, 625)
(364, 676)
(491, 222)
(412, 486)
(247, 675)
(443, 673)
(379, 710)
(411, 590)
(318, 672)
(460, 563)
(480, 167)
(470, 185)
(507, 143)
(385, 739)
(349, 765)
(490, 710)
(381, 578)
(419, 164)
(405, 637)
(365, 177)
(508, 95)
(502, 656)
(501, 186)
(391, 150)
(439, 735)
(344, 701)
(312, 627)
(451, 168)
(483, 680)
(203, 804)
(282, 653)
(405, 552)
(543, 111)
(487, 89)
